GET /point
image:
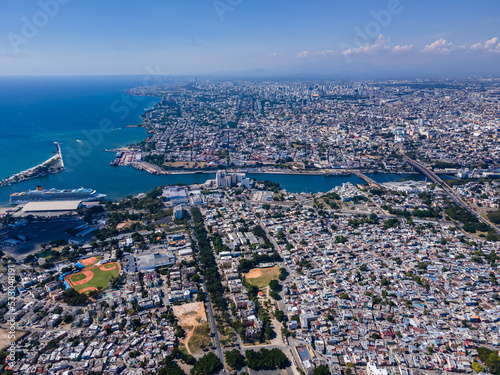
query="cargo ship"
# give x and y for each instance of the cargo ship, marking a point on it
(41, 195)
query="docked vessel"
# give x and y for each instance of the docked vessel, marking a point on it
(41, 195)
(340, 173)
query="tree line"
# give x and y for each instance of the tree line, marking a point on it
(210, 271)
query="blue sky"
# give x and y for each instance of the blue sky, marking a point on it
(421, 37)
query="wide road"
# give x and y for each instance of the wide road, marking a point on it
(211, 318)
(432, 176)
(213, 325)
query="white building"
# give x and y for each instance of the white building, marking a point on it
(224, 179)
(175, 194)
(372, 369)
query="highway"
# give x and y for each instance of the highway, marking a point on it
(213, 325)
(434, 178)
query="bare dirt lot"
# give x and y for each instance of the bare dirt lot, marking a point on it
(190, 315)
(261, 277)
(4, 338)
(190, 312)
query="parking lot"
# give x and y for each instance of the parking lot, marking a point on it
(36, 233)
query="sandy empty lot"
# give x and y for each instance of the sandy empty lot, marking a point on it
(4, 338)
(190, 316)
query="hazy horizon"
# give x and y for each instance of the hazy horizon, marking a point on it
(365, 39)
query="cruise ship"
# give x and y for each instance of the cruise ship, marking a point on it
(41, 195)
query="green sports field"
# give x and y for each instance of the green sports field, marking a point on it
(77, 277)
(261, 277)
(98, 277)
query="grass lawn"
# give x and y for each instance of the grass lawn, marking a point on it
(261, 277)
(477, 234)
(100, 279)
(77, 277)
(201, 337)
(44, 254)
(182, 348)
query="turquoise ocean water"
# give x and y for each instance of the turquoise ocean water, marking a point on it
(78, 112)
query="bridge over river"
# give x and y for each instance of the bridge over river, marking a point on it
(435, 178)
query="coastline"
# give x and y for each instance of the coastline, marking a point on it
(54, 164)
(118, 183)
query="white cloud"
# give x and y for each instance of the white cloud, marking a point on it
(440, 46)
(327, 52)
(491, 43)
(443, 47)
(405, 48)
(377, 45)
(303, 54)
(382, 45)
(476, 47)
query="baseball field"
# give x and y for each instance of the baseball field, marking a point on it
(92, 278)
(261, 277)
(87, 262)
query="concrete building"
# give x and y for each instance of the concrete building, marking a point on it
(224, 179)
(372, 369)
(175, 195)
(178, 212)
(151, 261)
(52, 206)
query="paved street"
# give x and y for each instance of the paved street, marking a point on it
(211, 318)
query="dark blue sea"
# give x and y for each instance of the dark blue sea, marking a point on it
(88, 115)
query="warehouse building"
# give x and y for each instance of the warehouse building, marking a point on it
(51, 206)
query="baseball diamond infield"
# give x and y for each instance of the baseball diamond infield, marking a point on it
(92, 278)
(90, 261)
(107, 267)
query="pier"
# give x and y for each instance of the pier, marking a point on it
(59, 152)
(54, 164)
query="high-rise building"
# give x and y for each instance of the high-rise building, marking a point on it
(224, 179)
